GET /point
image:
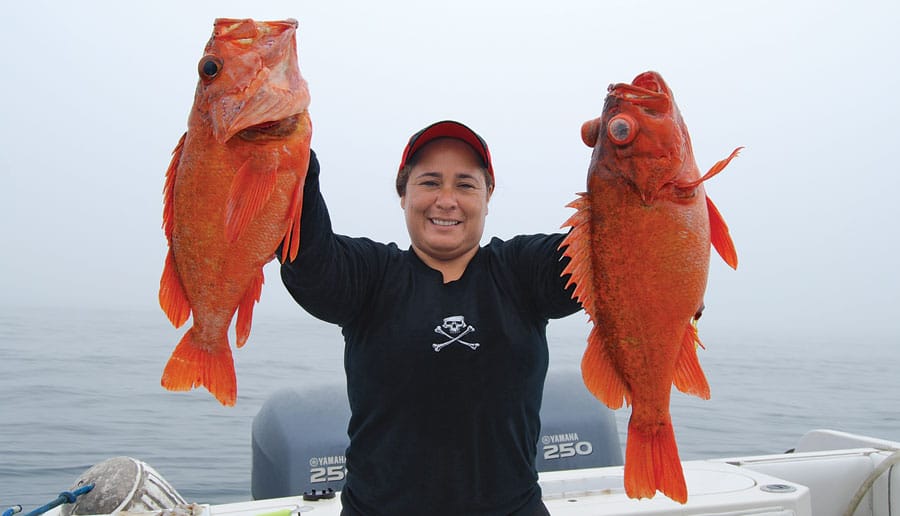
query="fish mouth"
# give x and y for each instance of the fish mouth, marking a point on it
(245, 29)
(272, 112)
(263, 89)
(270, 130)
(269, 111)
(647, 90)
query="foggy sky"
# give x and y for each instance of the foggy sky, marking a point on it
(96, 94)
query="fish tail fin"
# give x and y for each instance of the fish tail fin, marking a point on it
(245, 309)
(191, 366)
(172, 298)
(689, 377)
(600, 375)
(251, 188)
(652, 463)
(719, 235)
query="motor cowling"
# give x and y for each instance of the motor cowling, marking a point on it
(299, 437)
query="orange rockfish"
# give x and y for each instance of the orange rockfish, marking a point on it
(233, 194)
(639, 249)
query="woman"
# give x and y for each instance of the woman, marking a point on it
(445, 343)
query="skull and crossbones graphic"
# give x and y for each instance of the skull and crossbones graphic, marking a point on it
(454, 328)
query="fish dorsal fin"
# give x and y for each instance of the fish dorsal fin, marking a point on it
(577, 246)
(172, 298)
(251, 188)
(597, 370)
(169, 189)
(719, 235)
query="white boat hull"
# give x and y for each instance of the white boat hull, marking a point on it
(829, 474)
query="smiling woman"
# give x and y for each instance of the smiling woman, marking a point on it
(445, 343)
(445, 203)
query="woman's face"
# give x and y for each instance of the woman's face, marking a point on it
(446, 201)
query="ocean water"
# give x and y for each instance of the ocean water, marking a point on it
(80, 385)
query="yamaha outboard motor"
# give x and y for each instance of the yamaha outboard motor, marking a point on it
(299, 438)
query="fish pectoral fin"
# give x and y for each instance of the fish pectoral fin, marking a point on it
(192, 365)
(251, 189)
(718, 230)
(600, 375)
(719, 235)
(245, 309)
(291, 242)
(689, 377)
(718, 167)
(172, 298)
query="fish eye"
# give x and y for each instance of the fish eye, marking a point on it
(209, 67)
(622, 129)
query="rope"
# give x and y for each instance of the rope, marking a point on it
(64, 497)
(12, 510)
(866, 486)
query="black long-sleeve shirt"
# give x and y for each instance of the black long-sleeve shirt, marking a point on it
(444, 380)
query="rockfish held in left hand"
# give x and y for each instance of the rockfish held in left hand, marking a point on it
(233, 194)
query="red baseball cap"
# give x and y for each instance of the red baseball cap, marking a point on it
(448, 129)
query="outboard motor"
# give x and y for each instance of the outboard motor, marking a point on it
(299, 438)
(577, 430)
